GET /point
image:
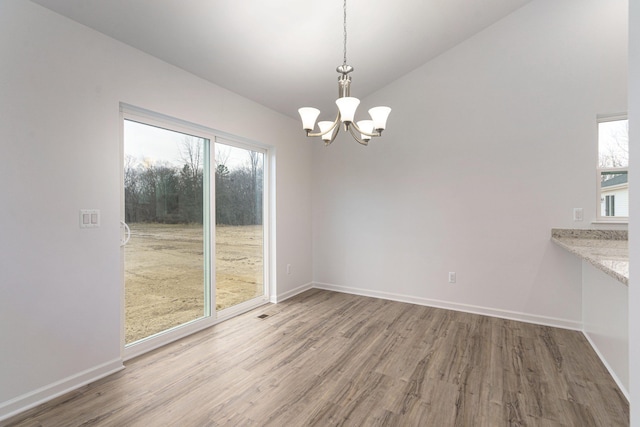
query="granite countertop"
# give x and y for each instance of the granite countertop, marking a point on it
(607, 250)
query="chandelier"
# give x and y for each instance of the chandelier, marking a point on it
(363, 130)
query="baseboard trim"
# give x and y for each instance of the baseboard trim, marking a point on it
(466, 308)
(292, 293)
(44, 394)
(622, 388)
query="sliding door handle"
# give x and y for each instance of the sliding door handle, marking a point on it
(125, 239)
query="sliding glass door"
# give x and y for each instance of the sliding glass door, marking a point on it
(194, 215)
(166, 175)
(240, 237)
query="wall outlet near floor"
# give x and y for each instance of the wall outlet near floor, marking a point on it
(288, 268)
(452, 277)
(577, 214)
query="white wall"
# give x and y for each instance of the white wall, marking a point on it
(60, 289)
(488, 147)
(605, 317)
(634, 220)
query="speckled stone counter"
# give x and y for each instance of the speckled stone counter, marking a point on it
(607, 250)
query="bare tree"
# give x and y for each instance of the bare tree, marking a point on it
(255, 167)
(191, 154)
(222, 156)
(615, 153)
(131, 189)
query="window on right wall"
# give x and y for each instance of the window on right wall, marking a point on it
(613, 168)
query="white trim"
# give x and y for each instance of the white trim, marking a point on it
(182, 331)
(180, 125)
(292, 293)
(613, 117)
(271, 225)
(242, 143)
(606, 365)
(599, 216)
(167, 336)
(466, 308)
(241, 308)
(122, 219)
(267, 262)
(209, 224)
(44, 394)
(168, 123)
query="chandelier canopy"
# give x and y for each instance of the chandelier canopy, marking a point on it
(363, 130)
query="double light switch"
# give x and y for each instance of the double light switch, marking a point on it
(89, 218)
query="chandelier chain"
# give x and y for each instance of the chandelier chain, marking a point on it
(345, 33)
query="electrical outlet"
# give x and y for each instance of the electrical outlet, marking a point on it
(577, 214)
(452, 277)
(288, 268)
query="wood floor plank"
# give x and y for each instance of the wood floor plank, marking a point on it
(325, 358)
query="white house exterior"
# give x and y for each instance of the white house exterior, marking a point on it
(614, 197)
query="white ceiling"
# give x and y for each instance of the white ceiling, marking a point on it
(283, 53)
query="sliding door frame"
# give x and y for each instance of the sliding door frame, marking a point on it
(129, 112)
(266, 184)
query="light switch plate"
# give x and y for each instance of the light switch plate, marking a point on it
(89, 218)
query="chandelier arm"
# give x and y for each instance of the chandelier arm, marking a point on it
(333, 138)
(356, 137)
(378, 133)
(333, 126)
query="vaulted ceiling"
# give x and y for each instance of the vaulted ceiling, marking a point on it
(283, 53)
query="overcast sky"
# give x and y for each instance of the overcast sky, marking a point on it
(613, 139)
(156, 145)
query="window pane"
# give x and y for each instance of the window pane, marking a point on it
(613, 144)
(614, 194)
(165, 185)
(239, 225)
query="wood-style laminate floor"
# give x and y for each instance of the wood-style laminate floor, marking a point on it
(325, 358)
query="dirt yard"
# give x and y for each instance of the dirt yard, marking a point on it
(164, 274)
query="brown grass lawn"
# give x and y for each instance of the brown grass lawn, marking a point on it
(164, 274)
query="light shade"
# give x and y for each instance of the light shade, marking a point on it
(379, 116)
(365, 126)
(324, 127)
(308, 116)
(347, 106)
